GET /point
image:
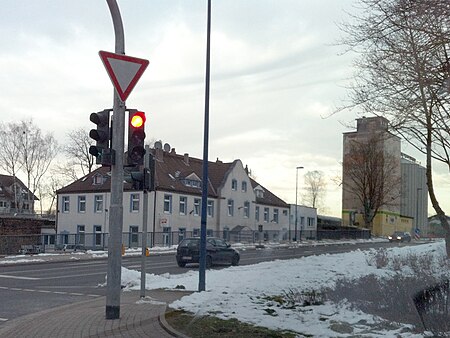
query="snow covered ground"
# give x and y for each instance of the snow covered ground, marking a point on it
(245, 292)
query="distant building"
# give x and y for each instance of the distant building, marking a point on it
(15, 198)
(237, 206)
(414, 197)
(388, 218)
(306, 222)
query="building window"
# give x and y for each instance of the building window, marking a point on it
(210, 209)
(97, 235)
(275, 215)
(181, 234)
(311, 222)
(134, 236)
(134, 202)
(233, 184)
(98, 179)
(196, 232)
(98, 203)
(3, 204)
(168, 204)
(246, 209)
(302, 221)
(209, 233)
(81, 234)
(244, 186)
(183, 205)
(257, 213)
(266, 214)
(259, 193)
(196, 206)
(230, 207)
(65, 204)
(81, 203)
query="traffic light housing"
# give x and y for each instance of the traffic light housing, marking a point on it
(141, 179)
(102, 136)
(136, 137)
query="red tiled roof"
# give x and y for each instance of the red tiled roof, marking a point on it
(169, 175)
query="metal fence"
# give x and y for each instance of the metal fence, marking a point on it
(13, 244)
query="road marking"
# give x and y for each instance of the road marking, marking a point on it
(46, 291)
(18, 277)
(3, 319)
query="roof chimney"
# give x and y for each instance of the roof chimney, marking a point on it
(186, 158)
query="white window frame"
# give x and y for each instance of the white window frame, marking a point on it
(266, 215)
(134, 202)
(65, 204)
(197, 202)
(183, 205)
(246, 209)
(210, 208)
(244, 186)
(167, 204)
(98, 203)
(276, 215)
(234, 184)
(82, 203)
(230, 205)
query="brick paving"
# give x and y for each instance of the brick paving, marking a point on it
(138, 318)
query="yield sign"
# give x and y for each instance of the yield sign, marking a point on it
(124, 71)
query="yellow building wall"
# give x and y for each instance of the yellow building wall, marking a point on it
(384, 223)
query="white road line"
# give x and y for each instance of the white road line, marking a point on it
(3, 319)
(18, 277)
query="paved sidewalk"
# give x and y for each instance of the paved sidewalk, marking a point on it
(138, 318)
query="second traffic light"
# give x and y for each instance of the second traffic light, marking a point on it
(102, 136)
(136, 137)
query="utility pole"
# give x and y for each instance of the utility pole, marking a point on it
(202, 259)
(113, 287)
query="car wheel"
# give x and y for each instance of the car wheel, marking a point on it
(181, 264)
(235, 260)
(208, 262)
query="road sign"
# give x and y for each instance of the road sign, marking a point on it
(124, 71)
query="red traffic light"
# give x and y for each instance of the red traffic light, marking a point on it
(137, 120)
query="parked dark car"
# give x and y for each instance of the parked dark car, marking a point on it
(217, 252)
(400, 236)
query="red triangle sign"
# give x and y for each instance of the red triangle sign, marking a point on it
(124, 71)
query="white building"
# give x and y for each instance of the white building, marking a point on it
(306, 222)
(238, 206)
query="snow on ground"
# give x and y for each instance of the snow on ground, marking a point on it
(238, 291)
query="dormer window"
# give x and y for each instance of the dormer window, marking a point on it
(259, 193)
(191, 183)
(97, 180)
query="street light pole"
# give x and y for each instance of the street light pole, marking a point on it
(296, 194)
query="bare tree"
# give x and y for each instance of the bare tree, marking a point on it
(315, 188)
(78, 150)
(10, 158)
(403, 72)
(38, 151)
(373, 176)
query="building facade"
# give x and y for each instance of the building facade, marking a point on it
(306, 219)
(414, 198)
(15, 198)
(389, 217)
(237, 206)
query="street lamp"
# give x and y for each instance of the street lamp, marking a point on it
(417, 208)
(296, 194)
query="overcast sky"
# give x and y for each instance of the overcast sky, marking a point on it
(276, 74)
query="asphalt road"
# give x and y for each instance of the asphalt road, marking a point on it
(29, 288)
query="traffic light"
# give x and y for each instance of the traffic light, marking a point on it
(136, 137)
(102, 136)
(141, 180)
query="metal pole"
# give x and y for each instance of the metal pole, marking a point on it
(417, 207)
(202, 267)
(116, 207)
(296, 194)
(144, 221)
